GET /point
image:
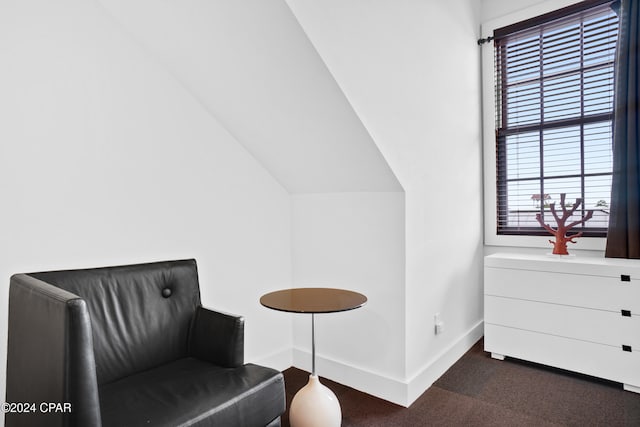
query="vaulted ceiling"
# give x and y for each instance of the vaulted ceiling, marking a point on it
(251, 65)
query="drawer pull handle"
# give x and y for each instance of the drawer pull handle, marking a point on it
(626, 313)
(626, 347)
(625, 278)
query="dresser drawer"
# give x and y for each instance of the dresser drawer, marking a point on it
(598, 360)
(599, 326)
(596, 292)
(582, 265)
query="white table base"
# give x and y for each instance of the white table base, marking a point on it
(315, 405)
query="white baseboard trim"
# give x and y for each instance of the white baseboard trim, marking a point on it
(632, 388)
(366, 381)
(443, 361)
(395, 390)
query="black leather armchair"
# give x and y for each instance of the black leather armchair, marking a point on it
(131, 346)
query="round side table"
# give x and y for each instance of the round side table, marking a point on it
(314, 405)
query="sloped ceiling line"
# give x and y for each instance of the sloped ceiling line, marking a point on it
(252, 67)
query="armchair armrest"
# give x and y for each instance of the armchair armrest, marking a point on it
(217, 337)
(50, 354)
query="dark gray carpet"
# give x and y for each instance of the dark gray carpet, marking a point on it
(480, 391)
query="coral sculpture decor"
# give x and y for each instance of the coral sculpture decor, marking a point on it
(560, 233)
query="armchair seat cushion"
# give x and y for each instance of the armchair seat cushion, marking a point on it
(193, 392)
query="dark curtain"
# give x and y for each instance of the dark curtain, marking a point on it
(623, 237)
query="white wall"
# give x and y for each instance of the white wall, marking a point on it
(250, 63)
(353, 241)
(411, 71)
(106, 159)
(492, 9)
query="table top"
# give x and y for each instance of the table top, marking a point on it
(313, 300)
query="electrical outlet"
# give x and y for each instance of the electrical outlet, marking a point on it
(439, 324)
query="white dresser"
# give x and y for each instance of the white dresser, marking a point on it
(576, 313)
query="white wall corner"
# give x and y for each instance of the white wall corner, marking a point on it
(436, 367)
(279, 360)
(395, 390)
(391, 389)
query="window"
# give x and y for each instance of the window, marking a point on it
(554, 108)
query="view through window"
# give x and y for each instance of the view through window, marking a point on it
(554, 109)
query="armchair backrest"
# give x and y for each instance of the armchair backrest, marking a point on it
(140, 314)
